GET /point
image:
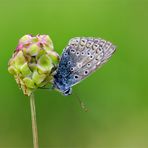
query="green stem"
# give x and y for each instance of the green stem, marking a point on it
(34, 123)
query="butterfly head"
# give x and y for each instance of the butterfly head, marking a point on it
(67, 92)
(64, 90)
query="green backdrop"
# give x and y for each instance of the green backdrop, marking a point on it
(116, 95)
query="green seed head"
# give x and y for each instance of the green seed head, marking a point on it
(33, 62)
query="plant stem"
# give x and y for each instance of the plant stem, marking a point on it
(34, 123)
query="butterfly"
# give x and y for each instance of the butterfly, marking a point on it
(80, 58)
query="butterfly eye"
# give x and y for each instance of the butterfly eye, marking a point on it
(85, 72)
(76, 76)
(67, 92)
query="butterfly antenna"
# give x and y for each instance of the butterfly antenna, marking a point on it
(82, 105)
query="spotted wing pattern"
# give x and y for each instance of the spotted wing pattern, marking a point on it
(80, 58)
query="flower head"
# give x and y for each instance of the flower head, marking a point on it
(33, 62)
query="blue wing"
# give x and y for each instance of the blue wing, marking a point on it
(79, 59)
(63, 79)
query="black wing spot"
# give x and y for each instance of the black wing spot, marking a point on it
(69, 62)
(82, 53)
(88, 65)
(85, 72)
(77, 53)
(91, 57)
(72, 50)
(65, 54)
(71, 69)
(100, 48)
(88, 53)
(76, 76)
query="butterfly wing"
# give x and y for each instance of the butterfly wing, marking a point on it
(79, 59)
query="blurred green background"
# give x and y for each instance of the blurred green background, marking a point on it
(116, 95)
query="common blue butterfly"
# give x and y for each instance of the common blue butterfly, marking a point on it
(79, 59)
